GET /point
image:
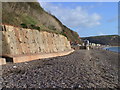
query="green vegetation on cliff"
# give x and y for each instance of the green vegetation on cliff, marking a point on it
(32, 15)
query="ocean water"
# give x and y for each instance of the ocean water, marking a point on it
(114, 49)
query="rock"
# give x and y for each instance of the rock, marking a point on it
(14, 66)
(65, 72)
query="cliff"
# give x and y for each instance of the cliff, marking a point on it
(19, 41)
(30, 15)
(112, 40)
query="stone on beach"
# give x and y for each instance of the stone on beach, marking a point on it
(70, 71)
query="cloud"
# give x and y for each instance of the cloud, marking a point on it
(76, 17)
(101, 33)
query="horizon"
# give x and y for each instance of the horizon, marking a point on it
(86, 18)
(103, 35)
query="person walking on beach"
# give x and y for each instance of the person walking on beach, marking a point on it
(86, 43)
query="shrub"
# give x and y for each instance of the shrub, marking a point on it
(52, 27)
(34, 27)
(24, 25)
(63, 33)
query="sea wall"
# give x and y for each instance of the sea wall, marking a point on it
(21, 41)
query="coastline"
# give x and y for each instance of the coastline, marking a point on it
(109, 47)
(95, 68)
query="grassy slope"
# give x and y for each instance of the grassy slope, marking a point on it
(33, 14)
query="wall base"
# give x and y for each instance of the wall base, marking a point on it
(2, 61)
(30, 57)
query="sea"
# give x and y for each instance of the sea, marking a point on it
(113, 49)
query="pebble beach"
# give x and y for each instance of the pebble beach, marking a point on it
(94, 68)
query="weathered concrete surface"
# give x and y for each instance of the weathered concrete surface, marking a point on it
(21, 41)
(2, 61)
(25, 58)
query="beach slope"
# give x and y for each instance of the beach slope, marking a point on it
(82, 68)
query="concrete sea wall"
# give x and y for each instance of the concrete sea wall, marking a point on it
(20, 41)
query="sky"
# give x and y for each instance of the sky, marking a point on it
(86, 18)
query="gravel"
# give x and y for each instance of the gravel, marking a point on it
(80, 69)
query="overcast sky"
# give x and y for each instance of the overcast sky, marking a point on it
(86, 18)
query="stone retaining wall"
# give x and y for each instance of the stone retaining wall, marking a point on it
(17, 41)
(21, 41)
